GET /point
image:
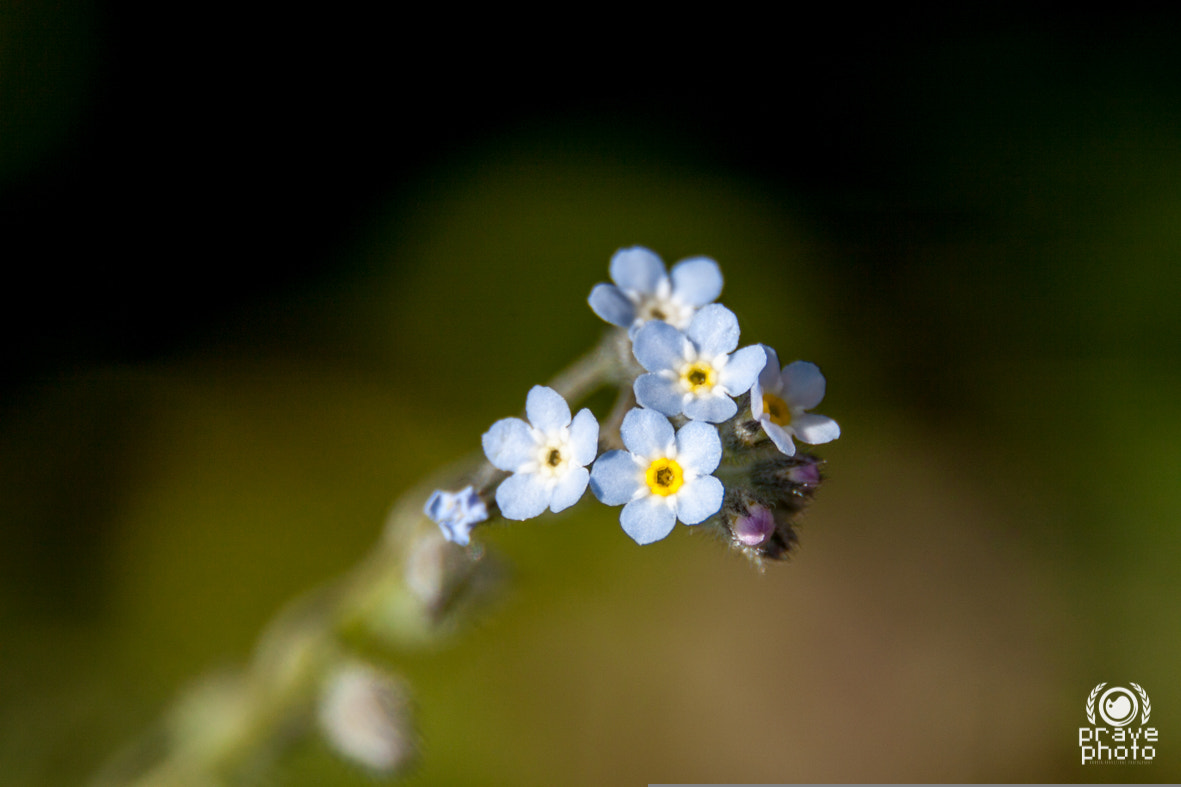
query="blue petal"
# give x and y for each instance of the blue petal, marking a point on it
(698, 447)
(522, 496)
(547, 410)
(647, 433)
(714, 330)
(803, 384)
(456, 513)
(648, 519)
(584, 437)
(815, 429)
(756, 398)
(637, 269)
(456, 532)
(697, 281)
(715, 409)
(439, 505)
(742, 370)
(780, 436)
(659, 393)
(509, 444)
(616, 477)
(569, 490)
(657, 346)
(609, 302)
(769, 375)
(471, 505)
(698, 501)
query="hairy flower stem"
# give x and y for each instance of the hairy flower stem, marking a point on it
(610, 437)
(409, 591)
(406, 593)
(607, 363)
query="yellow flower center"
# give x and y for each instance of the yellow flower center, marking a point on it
(699, 377)
(554, 458)
(664, 477)
(776, 409)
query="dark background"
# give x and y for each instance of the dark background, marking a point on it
(231, 231)
(162, 170)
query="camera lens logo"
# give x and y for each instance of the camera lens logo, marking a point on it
(1118, 706)
(1113, 735)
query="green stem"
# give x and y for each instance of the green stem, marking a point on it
(405, 593)
(603, 365)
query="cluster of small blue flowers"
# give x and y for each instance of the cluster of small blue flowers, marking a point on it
(704, 411)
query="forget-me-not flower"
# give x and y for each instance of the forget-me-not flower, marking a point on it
(456, 513)
(643, 291)
(779, 398)
(547, 456)
(694, 372)
(662, 476)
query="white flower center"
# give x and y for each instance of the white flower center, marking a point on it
(661, 305)
(553, 459)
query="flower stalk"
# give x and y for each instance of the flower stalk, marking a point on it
(700, 432)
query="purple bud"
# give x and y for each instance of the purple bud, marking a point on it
(755, 526)
(806, 473)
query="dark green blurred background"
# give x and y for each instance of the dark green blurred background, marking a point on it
(264, 274)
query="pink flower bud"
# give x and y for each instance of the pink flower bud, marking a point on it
(807, 473)
(754, 527)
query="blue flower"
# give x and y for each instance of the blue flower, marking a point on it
(456, 513)
(643, 291)
(694, 372)
(547, 456)
(779, 398)
(662, 476)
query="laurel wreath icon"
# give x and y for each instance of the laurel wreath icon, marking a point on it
(1145, 705)
(1091, 702)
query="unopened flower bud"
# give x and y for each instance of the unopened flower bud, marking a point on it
(759, 527)
(365, 715)
(790, 481)
(806, 473)
(754, 527)
(781, 542)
